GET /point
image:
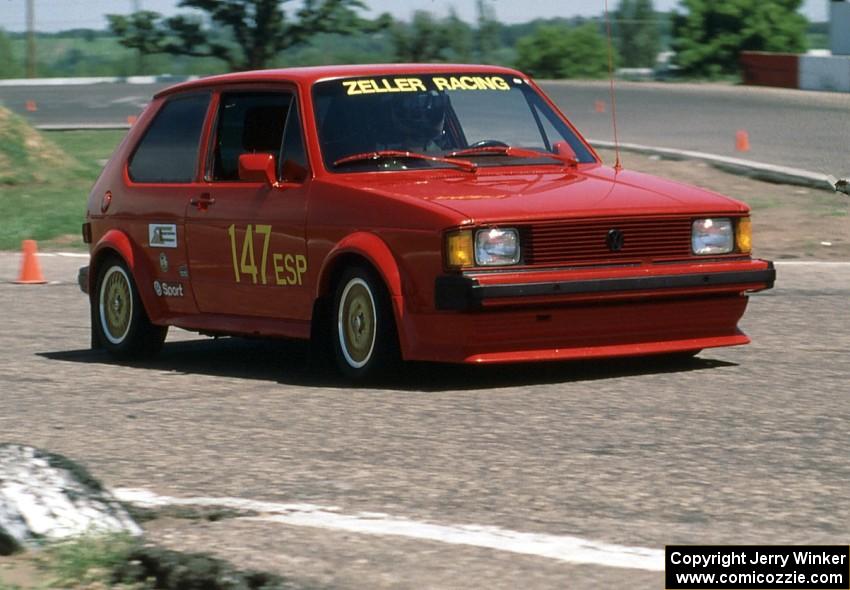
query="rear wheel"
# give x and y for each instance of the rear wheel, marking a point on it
(121, 324)
(364, 335)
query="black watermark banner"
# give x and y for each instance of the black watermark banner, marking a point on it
(761, 567)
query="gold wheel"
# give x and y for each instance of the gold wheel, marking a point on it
(356, 323)
(116, 305)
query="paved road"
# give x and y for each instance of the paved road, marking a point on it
(808, 130)
(744, 445)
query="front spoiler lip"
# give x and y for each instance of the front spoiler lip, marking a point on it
(461, 293)
(83, 279)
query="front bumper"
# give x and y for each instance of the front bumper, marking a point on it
(470, 292)
(557, 314)
(83, 279)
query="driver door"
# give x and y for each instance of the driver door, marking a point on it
(246, 239)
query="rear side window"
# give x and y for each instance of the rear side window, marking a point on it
(169, 150)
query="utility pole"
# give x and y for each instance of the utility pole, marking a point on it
(30, 38)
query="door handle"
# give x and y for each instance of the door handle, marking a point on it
(202, 202)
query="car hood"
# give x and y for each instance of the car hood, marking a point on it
(593, 191)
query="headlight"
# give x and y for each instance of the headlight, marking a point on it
(496, 247)
(712, 236)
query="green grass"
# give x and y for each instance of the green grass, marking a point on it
(88, 559)
(46, 201)
(90, 148)
(122, 562)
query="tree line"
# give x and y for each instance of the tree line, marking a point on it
(705, 37)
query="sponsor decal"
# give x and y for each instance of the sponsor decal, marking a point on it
(183, 271)
(163, 262)
(163, 289)
(471, 83)
(383, 85)
(162, 235)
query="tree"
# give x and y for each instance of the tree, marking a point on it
(557, 51)
(427, 39)
(712, 33)
(458, 36)
(245, 34)
(487, 37)
(8, 68)
(638, 35)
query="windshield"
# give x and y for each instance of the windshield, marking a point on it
(438, 115)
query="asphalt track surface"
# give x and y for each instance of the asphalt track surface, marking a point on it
(807, 130)
(741, 445)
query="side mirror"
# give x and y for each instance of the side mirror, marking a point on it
(258, 168)
(563, 149)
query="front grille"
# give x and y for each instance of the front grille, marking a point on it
(585, 241)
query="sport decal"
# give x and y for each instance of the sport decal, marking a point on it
(163, 289)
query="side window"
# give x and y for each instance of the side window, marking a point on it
(247, 123)
(293, 159)
(168, 151)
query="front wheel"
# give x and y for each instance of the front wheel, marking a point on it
(364, 334)
(121, 324)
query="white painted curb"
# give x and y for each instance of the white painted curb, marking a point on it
(564, 548)
(81, 126)
(165, 78)
(757, 170)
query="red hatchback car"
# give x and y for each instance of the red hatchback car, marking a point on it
(422, 212)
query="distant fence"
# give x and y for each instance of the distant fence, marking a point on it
(788, 70)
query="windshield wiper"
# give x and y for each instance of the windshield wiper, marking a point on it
(381, 154)
(513, 152)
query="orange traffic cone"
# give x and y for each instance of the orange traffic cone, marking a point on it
(31, 106)
(30, 268)
(600, 106)
(742, 141)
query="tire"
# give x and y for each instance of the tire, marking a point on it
(120, 323)
(363, 331)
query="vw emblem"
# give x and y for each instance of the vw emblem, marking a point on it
(615, 240)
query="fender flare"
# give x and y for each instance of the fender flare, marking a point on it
(374, 250)
(377, 253)
(118, 243)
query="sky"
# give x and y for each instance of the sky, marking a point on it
(57, 15)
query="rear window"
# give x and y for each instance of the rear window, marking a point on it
(168, 151)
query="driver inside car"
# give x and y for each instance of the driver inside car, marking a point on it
(418, 122)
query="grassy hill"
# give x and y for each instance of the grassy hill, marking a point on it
(43, 188)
